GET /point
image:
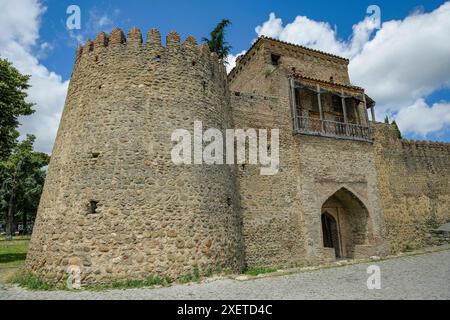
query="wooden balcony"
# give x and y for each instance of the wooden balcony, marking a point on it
(334, 129)
(350, 126)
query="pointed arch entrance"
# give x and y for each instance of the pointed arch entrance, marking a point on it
(345, 223)
(330, 232)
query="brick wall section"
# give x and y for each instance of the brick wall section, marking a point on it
(414, 183)
(114, 146)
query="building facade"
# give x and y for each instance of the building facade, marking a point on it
(117, 206)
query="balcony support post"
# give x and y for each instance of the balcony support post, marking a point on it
(369, 133)
(295, 118)
(344, 109)
(319, 101)
(373, 113)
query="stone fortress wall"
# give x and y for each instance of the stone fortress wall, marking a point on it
(116, 205)
(273, 234)
(414, 186)
(113, 202)
(282, 214)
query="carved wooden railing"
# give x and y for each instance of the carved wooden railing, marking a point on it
(328, 128)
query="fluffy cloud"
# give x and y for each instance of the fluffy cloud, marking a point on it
(421, 119)
(19, 43)
(399, 64)
(231, 60)
(317, 34)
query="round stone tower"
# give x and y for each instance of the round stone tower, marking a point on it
(114, 203)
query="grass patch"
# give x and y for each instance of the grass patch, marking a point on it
(261, 270)
(22, 237)
(191, 277)
(31, 282)
(130, 284)
(13, 252)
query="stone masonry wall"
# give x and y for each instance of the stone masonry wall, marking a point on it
(113, 150)
(281, 213)
(270, 206)
(345, 170)
(253, 73)
(414, 185)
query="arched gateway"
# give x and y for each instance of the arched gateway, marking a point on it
(345, 223)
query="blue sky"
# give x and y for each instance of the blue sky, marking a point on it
(198, 17)
(424, 96)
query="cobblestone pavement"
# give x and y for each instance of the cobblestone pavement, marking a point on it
(424, 276)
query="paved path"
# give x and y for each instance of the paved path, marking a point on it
(424, 276)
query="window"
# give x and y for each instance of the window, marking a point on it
(93, 207)
(275, 59)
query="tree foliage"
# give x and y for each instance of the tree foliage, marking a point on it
(217, 42)
(23, 178)
(399, 133)
(12, 105)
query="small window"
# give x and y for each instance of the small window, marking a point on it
(93, 207)
(275, 59)
(229, 201)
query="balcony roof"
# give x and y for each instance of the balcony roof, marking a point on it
(335, 87)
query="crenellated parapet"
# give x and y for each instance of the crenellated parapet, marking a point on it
(105, 44)
(426, 144)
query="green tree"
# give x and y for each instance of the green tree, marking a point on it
(399, 133)
(217, 42)
(12, 105)
(386, 120)
(23, 177)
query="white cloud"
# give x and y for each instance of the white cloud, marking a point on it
(421, 119)
(20, 20)
(317, 34)
(19, 43)
(399, 65)
(271, 28)
(406, 60)
(231, 60)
